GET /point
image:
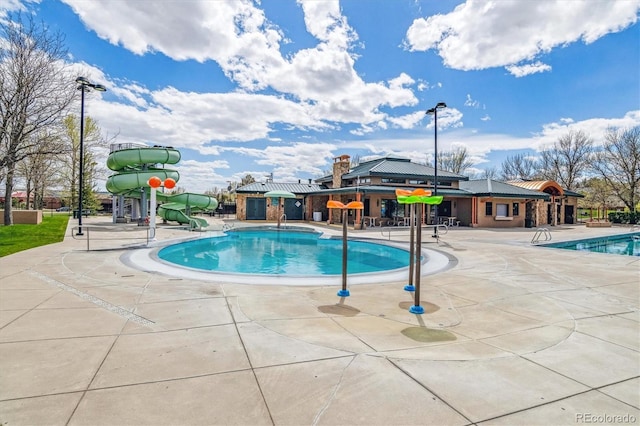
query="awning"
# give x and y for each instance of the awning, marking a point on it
(279, 194)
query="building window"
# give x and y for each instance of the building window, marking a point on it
(516, 209)
(392, 180)
(417, 182)
(502, 210)
(488, 208)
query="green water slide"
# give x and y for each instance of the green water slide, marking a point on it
(134, 167)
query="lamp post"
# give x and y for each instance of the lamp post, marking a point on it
(434, 111)
(83, 85)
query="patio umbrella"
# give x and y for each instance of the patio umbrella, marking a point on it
(279, 195)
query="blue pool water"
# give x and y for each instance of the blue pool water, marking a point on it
(624, 244)
(283, 252)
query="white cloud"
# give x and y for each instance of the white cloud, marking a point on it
(407, 121)
(471, 102)
(200, 176)
(289, 161)
(479, 145)
(485, 34)
(447, 118)
(594, 127)
(238, 36)
(9, 6)
(527, 69)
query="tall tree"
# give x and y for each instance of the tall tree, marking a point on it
(597, 195)
(70, 157)
(519, 166)
(35, 169)
(456, 161)
(567, 160)
(618, 163)
(490, 173)
(247, 180)
(35, 91)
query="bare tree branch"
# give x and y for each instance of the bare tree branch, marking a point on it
(567, 160)
(618, 163)
(36, 88)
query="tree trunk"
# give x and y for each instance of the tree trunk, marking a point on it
(28, 196)
(8, 189)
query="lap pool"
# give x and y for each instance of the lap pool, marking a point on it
(623, 244)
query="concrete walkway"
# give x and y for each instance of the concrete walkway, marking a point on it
(513, 334)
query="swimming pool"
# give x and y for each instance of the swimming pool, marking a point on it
(283, 252)
(623, 244)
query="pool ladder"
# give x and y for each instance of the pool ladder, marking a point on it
(541, 233)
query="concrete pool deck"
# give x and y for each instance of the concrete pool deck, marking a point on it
(512, 334)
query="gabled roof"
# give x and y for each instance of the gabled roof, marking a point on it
(387, 189)
(395, 167)
(494, 188)
(296, 188)
(400, 168)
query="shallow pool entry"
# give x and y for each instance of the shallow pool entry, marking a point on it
(283, 252)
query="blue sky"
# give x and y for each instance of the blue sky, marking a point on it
(284, 86)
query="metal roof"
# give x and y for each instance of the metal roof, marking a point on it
(548, 186)
(296, 188)
(494, 188)
(399, 167)
(573, 194)
(381, 189)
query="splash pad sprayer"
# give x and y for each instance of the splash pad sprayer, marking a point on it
(353, 205)
(417, 196)
(154, 183)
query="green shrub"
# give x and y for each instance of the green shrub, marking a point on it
(624, 217)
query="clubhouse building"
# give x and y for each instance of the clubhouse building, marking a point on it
(475, 203)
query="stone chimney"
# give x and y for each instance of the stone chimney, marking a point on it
(341, 166)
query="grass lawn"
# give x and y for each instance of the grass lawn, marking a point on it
(16, 238)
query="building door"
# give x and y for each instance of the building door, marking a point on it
(444, 209)
(256, 209)
(569, 214)
(293, 208)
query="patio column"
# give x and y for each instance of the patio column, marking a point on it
(474, 211)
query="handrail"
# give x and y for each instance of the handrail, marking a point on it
(541, 232)
(284, 216)
(443, 228)
(87, 231)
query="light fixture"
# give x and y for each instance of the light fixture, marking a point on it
(434, 111)
(83, 85)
